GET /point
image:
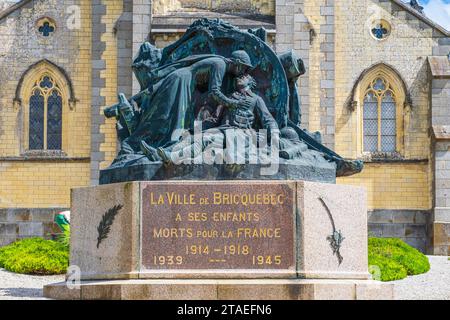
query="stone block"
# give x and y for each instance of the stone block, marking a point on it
(323, 211)
(418, 243)
(117, 254)
(400, 216)
(375, 230)
(7, 239)
(243, 290)
(8, 215)
(255, 290)
(152, 236)
(421, 217)
(441, 238)
(442, 215)
(336, 290)
(22, 215)
(170, 290)
(30, 229)
(441, 250)
(393, 230)
(8, 229)
(62, 292)
(44, 215)
(374, 290)
(415, 231)
(3, 215)
(380, 216)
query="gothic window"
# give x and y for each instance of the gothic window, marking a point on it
(379, 118)
(45, 115)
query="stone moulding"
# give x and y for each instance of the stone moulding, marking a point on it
(198, 172)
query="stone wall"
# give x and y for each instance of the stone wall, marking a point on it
(265, 7)
(307, 26)
(293, 33)
(406, 183)
(105, 15)
(440, 95)
(119, 27)
(441, 162)
(23, 223)
(412, 226)
(394, 185)
(141, 28)
(35, 182)
(406, 50)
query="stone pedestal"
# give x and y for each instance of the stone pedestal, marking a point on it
(285, 170)
(211, 289)
(220, 240)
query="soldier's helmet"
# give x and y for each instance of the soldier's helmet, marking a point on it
(242, 57)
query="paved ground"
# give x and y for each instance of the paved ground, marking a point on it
(434, 285)
(15, 286)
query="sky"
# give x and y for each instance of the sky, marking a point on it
(437, 10)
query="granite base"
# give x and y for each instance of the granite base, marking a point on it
(299, 289)
(311, 241)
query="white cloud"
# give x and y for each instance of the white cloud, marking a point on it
(439, 12)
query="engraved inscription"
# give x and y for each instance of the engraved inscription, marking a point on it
(218, 226)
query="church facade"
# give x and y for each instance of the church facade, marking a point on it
(377, 87)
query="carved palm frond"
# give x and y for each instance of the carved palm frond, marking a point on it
(105, 224)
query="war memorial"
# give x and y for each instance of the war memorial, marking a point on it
(216, 191)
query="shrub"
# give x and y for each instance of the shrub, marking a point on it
(389, 270)
(395, 259)
(35, 256)
(64, 237)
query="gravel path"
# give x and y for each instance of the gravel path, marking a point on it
(15, 286)
(433, 285)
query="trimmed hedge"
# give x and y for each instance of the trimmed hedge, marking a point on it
(395, 259)
(35, 256)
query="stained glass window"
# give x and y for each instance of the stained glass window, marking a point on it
(36, 121)
(371, 123)
(388, 123)
(379, 118)
(380, 29)
(54, 121)
(45, 117)
(46, 27)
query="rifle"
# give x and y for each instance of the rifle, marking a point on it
(114, 111)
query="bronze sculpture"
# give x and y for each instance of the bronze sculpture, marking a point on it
(215, 80)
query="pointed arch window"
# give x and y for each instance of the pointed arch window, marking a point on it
(380, 117)
(46, 98)
(45, 115)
